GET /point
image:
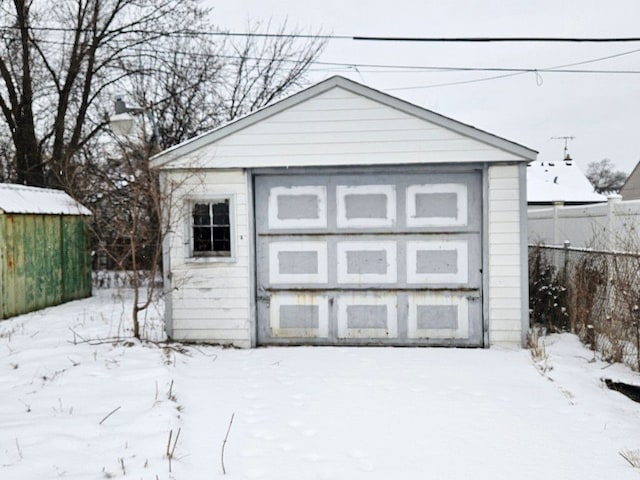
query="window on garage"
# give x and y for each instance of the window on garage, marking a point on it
(211, 228)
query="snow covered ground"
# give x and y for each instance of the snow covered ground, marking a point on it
(74, 407)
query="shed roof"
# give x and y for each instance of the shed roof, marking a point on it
(34, 200)
(165, 158)
(561, 181)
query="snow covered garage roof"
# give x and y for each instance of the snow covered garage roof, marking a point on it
(560, 181)
(33, 200)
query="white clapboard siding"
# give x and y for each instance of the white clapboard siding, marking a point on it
(220, 315)
(505, 257)
(208, 335)
(210, 299)
(195, 323)
(338, 127)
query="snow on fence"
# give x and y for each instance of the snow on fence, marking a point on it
(604, 226)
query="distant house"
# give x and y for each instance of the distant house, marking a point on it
(45, 258)
(553, 182)
(631, 188)
(344, 216)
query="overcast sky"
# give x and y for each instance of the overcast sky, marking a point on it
(602, 111)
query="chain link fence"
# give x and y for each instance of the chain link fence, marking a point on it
(595, 294)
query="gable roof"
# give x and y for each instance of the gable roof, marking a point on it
(560, 181)
(631, 188)
(34, 200)
(163, 159)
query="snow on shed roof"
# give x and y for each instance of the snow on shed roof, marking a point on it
(34, 200)
(560, 181)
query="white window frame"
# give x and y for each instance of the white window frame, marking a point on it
(190, 255)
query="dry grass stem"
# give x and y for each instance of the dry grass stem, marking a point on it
(224, 443)
(109, 414)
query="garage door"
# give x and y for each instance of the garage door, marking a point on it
(369, 258)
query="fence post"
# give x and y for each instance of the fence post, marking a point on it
(565, 284)
(556, 224)
(612, 201)
(565, 264)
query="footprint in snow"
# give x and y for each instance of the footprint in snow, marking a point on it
(254, 473)
(313, 457)
(288, 447)
(253, 453)
(265, 435)
(295, 423)
(357, 453)
(366, 467)
(361, 455)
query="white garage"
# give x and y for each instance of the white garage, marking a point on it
(344, 216)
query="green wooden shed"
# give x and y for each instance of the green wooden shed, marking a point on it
(45, 257)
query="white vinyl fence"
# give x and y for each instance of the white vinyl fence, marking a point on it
(610, 226)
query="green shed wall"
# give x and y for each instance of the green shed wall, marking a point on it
(44, 261)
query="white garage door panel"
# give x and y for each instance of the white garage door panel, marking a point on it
(367, 258)
(367, 316)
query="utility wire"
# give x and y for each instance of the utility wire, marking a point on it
(349, 37)
(556, 69)
(401, 68)
(499, 39)
(459, 68)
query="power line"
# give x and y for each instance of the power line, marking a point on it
(556, 69)
(403, 68)
(458, 68)
(499, 39)
(505, 71)
(373, 38)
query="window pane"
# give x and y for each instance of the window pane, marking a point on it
(221, 213)
(222, 246)
(201, 214)
(220, 219)
(202, 239)
(221, 233)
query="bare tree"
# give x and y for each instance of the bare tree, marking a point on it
(62, 64)
(196, 83)
(128, 227)
(604, 177)
(261, 70)
(59, 61)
